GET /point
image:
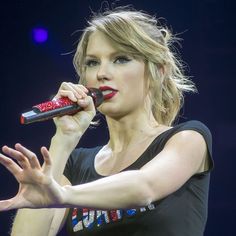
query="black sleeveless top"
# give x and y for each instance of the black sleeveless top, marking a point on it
(182, 213)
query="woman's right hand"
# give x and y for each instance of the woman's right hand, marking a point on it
(37, 187)
(75, 125)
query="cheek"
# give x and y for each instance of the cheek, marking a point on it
(135, 79)
(90, 79)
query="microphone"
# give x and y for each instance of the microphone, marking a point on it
(58, 107)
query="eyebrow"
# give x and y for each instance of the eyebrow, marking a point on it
(111, 55)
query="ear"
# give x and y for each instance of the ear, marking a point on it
(161, 70)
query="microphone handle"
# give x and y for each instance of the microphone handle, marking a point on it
(35, 115)
(58, 107)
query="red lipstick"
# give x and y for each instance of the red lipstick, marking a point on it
(108, 92)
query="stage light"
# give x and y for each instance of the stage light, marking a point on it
(40, 35)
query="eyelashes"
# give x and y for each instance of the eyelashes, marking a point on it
(122, 59)
(91, 62)
(116, 60)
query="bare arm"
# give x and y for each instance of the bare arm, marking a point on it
(39, 222)
(166, 173)
(163, 175)
(69, 130)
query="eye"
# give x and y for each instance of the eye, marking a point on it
(91, 63)
(122, 60)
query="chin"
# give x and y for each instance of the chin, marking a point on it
(110, 110)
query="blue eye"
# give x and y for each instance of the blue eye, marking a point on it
(122, 59)
(91, 63)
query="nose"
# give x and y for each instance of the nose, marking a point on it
(103, 72)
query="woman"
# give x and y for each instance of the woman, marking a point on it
(151, 178)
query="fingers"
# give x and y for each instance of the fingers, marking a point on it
(76, 93)
(18, 156)
(24, 157)
(29, 155)
(9, 164)
(47, 160)
(73, 91)
(46, 155)
(6, 205)
(87, 104)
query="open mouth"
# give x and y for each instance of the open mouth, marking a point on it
(108, 92)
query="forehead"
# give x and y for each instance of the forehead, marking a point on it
(99, 42)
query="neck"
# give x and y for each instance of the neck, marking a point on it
(130, 130)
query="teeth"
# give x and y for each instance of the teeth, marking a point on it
(106, 92)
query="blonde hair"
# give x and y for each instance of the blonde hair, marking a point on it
(142, 36)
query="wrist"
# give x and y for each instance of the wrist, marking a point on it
(69, 140)
(68, 133)
(67, 193)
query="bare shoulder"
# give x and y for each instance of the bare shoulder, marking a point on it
(189, 143)
(187, 137)
(184, 155)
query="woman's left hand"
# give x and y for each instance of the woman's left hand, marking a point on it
(37, 188)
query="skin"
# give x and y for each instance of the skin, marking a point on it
(107, 66)
(132, 128)
(131, 125)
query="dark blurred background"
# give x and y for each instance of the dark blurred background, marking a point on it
(32, 71)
